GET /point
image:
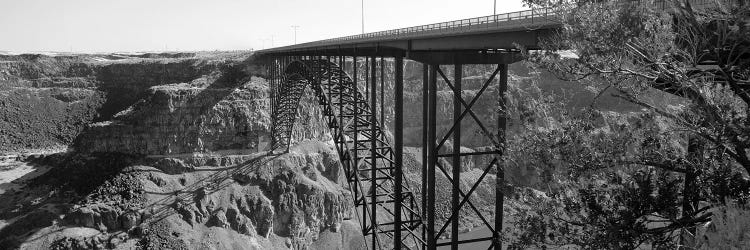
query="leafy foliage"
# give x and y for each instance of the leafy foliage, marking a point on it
(654, 177)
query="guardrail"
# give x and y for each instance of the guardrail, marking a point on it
(541, 16)
(485, 22)
(533, 16)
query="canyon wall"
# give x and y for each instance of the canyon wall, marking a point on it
(160, 104)
(197, 117)
(168, 150)
(45, 102)
(198, 128)
(48, 101)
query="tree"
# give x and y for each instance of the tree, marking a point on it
(657, 168)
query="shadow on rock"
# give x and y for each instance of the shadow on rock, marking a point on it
(71, 179)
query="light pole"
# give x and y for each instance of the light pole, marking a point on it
(295, 33)
(363, 16)
(494, 10)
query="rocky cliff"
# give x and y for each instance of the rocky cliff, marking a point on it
(168, 152)
(296, 200)
(196, 117)
(47, 101)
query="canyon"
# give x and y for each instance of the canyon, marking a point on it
(170, 150)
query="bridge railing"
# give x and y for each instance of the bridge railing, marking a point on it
(492, 21)
(518, 19)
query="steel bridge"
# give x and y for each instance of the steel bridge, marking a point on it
(388, 209)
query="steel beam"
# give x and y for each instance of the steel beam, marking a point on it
(355, 150)
(432, 157)
(425, 149)
(382, 94)
(340, 104)
(500, 177)
(373, 150)
(328, 71)
(456, 154)
(465, 57)
(398, 144)
(468, 110)
(272, 98)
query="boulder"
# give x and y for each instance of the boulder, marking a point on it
(130, 219)
(83, 216)
(173, 166)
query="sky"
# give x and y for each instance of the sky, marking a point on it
(193, 25)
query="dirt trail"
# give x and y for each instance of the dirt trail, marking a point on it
(14, 173)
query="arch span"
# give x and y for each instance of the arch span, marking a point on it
(363, 148)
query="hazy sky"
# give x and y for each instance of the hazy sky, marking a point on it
(157, 25)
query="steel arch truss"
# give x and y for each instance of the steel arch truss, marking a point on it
(364, 150)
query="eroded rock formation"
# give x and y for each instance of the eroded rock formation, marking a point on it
(47, 101)
(186, 118)
(187, 134)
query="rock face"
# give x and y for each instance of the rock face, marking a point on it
(45, 118)
(309, 125)
(297, 197)
(127, 83)
(240, 208)
(297, 200)
(185, 119)
(40, 71)
(47, 101)
(104, 218)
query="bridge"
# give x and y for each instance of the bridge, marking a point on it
(391, 212)
(488, 33)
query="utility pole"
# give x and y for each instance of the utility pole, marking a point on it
(363, 16)
(271, 41)
(295, 33)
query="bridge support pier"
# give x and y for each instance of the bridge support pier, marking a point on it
(431, 154)
(425, 134)
(500, 177)
(457, 75)
(373, 147)
(398, 146)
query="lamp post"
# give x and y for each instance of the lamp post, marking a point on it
(363, 16)
(295, 33)
(494, 10)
